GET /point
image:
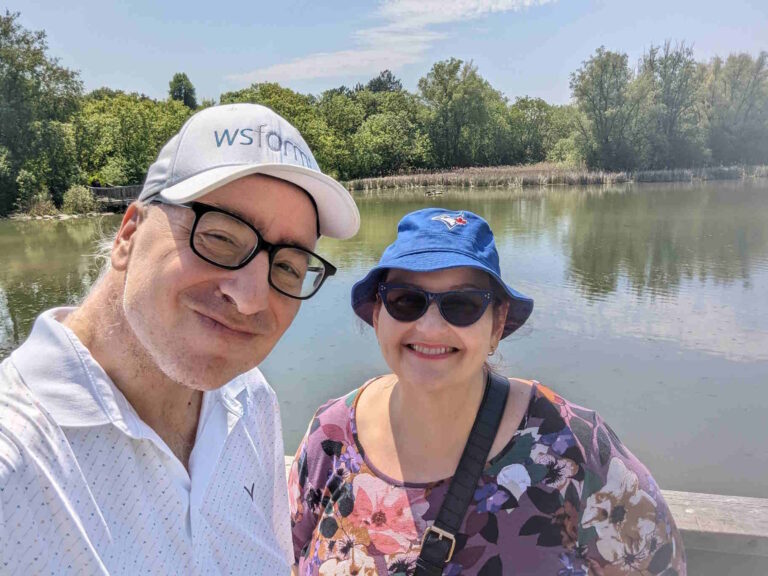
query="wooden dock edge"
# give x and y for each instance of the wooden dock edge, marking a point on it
(711, 522)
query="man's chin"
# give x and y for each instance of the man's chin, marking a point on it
(205, 371)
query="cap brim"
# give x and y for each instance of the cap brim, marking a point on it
(337, 211)
(364, 292)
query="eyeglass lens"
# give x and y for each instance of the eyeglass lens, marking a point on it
(460, 308)
(229, 242)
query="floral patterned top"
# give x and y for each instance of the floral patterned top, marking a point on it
(564, 498)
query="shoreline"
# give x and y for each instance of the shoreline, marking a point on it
(550, 175)
(522, 176)
(21, 217)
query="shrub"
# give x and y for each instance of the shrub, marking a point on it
(33, 198)
(78, 200)
(41, 204)
(565, 152)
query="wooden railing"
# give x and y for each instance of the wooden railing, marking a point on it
(723, 535)
(116, 196)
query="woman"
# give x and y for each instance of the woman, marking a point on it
(559, 495)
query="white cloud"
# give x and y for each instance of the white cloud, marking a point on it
(406, 33)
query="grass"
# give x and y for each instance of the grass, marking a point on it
(546, 174)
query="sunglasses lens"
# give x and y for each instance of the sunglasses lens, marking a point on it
(405, 304)
(462, 308)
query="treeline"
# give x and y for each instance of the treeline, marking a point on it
(669, 111)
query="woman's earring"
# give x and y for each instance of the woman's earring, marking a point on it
(491, 353)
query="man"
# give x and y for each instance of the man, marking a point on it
(136, 433)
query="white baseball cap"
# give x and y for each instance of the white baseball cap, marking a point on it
(223, 143)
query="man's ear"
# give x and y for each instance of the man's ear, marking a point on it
(121, 248)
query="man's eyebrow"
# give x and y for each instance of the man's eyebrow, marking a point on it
(236, 212)
(244, 218)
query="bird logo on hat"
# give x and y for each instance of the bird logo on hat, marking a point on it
(451, 221)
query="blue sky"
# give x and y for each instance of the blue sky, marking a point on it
(523, 47)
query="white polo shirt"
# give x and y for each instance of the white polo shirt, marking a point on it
(86, 487)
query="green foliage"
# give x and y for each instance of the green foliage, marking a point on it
(33, 197)
(669, 135)
(53, 157)
(675, 113)
(464, 114)
(565, 151)
(38, 95)
(531, 122)
(119, 135)
(41, 204)
(672, 113)
(389, 142)
(384, 82)
(181, 89)
(608, 102)
(734, 105)
(78, 200)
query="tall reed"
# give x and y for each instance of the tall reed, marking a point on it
(547, 174)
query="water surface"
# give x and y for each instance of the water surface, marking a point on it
(651, 307)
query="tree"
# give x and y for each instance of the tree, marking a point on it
(668, 119)
(389, 142)
(562, 146)
(531, 120)
(343, 115)
(461, 113)
(384, 82)
(36, 93)
(118, 136)
(608, 104)
(180, 88)
(734, 105)
(53, 157)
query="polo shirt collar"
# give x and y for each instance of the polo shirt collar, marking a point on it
(75, 389)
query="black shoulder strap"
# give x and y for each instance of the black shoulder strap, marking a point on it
(440, 539)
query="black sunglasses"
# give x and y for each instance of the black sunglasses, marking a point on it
(458, 307)
(227, 241)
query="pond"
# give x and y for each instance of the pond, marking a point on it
(651, 307)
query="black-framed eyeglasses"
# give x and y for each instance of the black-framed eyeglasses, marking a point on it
(227, 241)
(458, 307)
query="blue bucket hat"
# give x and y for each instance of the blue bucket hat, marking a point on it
(435, 239)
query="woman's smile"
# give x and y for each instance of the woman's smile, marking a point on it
(431, 351)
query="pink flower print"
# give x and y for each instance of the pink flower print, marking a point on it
(392, 519)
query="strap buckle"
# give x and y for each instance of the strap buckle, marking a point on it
(440, 535)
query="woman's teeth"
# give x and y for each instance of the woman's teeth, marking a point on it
(431, 350)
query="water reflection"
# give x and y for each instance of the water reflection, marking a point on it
(650, 307)
(656, 243)
(657, 239)
(44, 264)
(652, 237)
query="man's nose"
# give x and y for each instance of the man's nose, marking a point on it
(248, 288)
